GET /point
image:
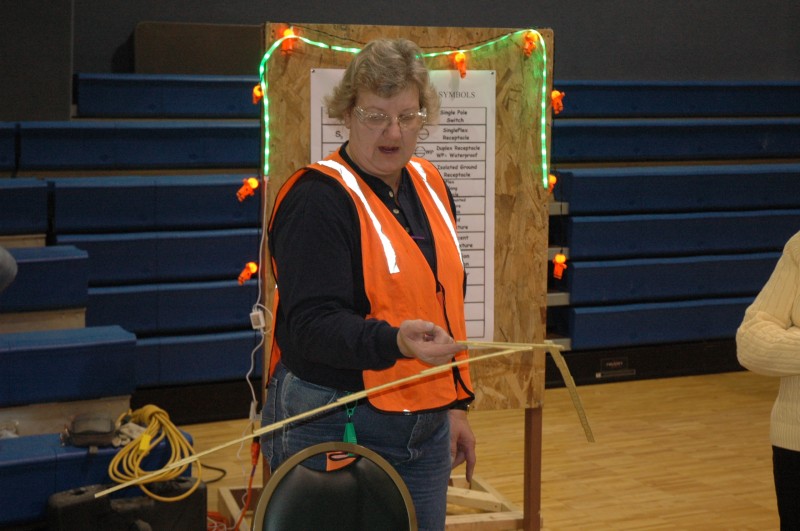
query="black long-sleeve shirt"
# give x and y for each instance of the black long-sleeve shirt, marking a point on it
(316, 243)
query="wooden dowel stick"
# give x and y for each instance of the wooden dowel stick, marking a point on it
(573, 393)
(547, 345)
(555, 351)
(344, 400)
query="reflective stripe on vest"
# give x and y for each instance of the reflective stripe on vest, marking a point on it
(439, 205)
(350, 181)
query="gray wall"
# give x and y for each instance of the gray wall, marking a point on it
(42, 42)
(594, 39)
(35, 59)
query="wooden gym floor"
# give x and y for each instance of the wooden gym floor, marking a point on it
(689, 453)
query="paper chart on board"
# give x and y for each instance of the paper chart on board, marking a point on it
(461, 144)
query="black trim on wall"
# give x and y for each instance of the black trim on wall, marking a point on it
(646, 362)
(200, 403)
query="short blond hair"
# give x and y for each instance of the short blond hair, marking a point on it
(385, 67)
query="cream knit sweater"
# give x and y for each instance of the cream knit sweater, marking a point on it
(768, 343)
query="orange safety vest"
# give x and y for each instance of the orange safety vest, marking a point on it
(400, 284)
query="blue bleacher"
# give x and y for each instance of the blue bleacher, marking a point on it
(623, 325)
(662, 279)
(680, 234)
(173, 308)
(162, 361)
(147, 203)
(666, 99)
(62, 365)
(34, 467)
(670, 140)
(48, 278)
(164, 255)
(165, 96)
(168, 256)
(680, 196)
(679, 188)
(138, 145)
(676, 199)
(153, 257)
(23, 206)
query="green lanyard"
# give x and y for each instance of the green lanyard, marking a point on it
(349, 429)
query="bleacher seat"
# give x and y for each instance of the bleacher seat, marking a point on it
(681, 234)
(63, 365)
(149, 203)
(34, 467)
(168, 256)
(23, 206)
(663, 140)
(165, 96)
(596, 282)
(679, 188)
(138, 145)
(667, 99)
(48, 278)
(622, 325)
(673, 202)
(153, 253)
(193, 359)
(173, 308)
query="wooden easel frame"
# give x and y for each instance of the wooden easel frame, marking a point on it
(521, 213)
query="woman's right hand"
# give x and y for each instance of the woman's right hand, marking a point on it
(426, 342)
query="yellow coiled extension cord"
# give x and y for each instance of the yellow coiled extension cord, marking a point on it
(126, 465)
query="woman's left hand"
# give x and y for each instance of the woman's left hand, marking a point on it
(427, 342)
(462, 441)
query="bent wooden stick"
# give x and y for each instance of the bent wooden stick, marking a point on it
(344, 400)
(573, 392)
(555, 351)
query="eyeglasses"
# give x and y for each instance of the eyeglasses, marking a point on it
(379, 121)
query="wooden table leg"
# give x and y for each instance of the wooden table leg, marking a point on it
(533, 470)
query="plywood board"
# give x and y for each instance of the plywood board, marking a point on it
(521, 213)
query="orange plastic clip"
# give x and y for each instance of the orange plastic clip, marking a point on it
(287, 46)
(247, 189)
(557, 97)
(258, 94)
(530, 44)
(551, 183)
(460, 61)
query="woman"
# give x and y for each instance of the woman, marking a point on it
(768, 343)
(371, 286)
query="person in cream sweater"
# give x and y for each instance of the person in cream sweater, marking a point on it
(768, 343)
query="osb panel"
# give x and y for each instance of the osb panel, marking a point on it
(521, 218)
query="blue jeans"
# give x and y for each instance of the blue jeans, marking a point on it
(417, 445)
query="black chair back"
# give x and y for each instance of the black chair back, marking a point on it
(365, 494)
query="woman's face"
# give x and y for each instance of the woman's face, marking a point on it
(383, 152)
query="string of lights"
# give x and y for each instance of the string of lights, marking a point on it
(530, 39)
